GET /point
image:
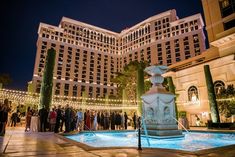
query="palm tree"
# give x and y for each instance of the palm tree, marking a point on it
(140, 84)
(131, 82)
(226, 103)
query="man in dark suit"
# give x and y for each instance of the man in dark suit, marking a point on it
(43, 114)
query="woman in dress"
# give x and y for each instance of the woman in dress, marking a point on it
(28, 119)
(88, 120)
(52, 119)
(95, 121)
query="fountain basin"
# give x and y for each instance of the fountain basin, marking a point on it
(192, 141)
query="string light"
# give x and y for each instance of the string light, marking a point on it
(76, 102)
(82, 102)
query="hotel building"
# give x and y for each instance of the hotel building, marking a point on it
(188, 75)
(87, 57)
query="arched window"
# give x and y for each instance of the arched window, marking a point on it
(218, 86)
(192, 93)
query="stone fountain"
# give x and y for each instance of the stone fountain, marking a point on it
(159, 106)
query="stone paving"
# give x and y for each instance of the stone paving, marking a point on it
(16, 142)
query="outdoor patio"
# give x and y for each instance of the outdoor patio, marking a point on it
(18, 143)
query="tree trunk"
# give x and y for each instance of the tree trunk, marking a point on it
(211, 95)
(172, 90)
(106, 99)
(124, 97)
(47, 80)
(140, 88)
(84, 98)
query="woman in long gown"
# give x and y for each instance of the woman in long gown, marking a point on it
(95, 121)
(28, 119)
(88, 120)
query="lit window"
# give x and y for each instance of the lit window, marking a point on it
(224, 3)
(192, 93)
(218, 86)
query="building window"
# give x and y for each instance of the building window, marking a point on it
(38, 86)
(192, 93)
(57, 89)
(227, 7)
(75, 92)
(218, 86)
(66, 89)
(105, 91)
(229, 24)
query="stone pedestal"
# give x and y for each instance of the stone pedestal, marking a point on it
(159, 106)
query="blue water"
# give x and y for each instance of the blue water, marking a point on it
(192, 141)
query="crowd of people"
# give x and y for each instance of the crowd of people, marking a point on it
(64, 119)
(76, 120)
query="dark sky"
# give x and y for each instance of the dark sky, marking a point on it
(20, 20)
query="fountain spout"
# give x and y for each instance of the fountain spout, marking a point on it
(90, 130)
(180, 124)
(145, 130)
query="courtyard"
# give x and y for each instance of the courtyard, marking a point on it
(79, 82)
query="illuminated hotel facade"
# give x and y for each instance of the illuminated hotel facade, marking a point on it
(188, 75)
(87, 57)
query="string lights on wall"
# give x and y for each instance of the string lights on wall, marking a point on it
(23, 97)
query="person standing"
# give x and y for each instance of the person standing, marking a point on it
(102, 120)
(112, 121)
(134, 120)
(43, 114)
(79, 120)
(98, 120)
(62, 119)
(67, 117)
(28, 119)
(106, 121)
(88, 120)
(58, 119)
(10, 112)
(52, 119)
(92, 120)
(125, 120)
(95, 121)
(118, 121)
(14, 118)
(3, 119)
(73, 119)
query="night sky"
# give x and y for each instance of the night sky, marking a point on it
(20, 20)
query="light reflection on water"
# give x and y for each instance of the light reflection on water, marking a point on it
(191, 142)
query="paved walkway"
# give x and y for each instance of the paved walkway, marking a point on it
(18, 143)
